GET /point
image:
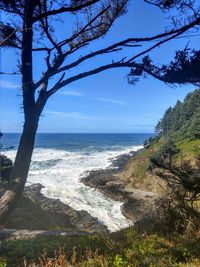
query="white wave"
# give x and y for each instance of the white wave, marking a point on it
(61, 181)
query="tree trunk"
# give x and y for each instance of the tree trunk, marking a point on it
(21, 167)
(32, 111)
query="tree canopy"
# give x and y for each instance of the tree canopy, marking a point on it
(92, 20)
(183, 119)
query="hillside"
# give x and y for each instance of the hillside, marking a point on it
(169, 167)
(177, 141)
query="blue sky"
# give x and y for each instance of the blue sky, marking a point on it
(104, 102)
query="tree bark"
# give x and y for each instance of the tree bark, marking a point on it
(21, 167)
(32, 113)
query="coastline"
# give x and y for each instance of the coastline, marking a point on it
(53, 214)
(34, 211)
(138, 205)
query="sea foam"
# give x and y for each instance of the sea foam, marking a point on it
(59, 171)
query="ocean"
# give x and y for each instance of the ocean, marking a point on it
(60, 160)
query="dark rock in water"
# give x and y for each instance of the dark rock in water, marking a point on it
(35, 211)
(101, 178)
(120, 161)
(98, 178)
(105, 181)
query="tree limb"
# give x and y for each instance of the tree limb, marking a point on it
(64, 9)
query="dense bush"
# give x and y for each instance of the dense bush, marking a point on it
(165, 153)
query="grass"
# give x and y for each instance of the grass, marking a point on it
(137, 172)
(125, 248)
(189, 148)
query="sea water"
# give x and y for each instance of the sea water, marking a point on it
(60, 160)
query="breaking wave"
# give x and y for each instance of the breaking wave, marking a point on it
(59, 171)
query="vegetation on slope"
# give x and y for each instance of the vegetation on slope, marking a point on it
(125, 248)
(183, 120)
(177, 141)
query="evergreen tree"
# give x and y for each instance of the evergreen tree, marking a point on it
(183, 120)
(195, 125)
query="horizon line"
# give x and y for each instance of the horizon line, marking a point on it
(82, 133)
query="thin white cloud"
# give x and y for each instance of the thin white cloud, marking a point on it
(8, 85)
(70, 93)
(73, 115)
(114, 101)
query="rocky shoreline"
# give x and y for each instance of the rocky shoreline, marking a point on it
(141, 207)
(35, 211)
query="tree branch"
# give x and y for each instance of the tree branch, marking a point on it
(117, 46)
(84, 29)
(64, 9)
(9, 73)
(80, 76)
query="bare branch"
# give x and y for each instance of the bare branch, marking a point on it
(45, 27)
(113, 65)
(117, 47)
(65, 9)
(85, 28)
(9, 73)
(156, 45)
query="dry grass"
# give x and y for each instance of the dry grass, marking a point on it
(137, 174)
(60, 260)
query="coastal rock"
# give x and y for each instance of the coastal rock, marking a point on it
(136, 208)
(114, 190)
(141, 207)
(106, 183)
(99, 178)
(140, 204)
(148, 214)
(139, 194)
(109, 184)
(120, 161)
(35, 211)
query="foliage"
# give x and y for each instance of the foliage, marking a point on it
(125, 248)
(194, 128)
(176, 160)
(150, 141)
(165, 152)
(182, 176)
(3, 263)
(183, 69)
(183, 119)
